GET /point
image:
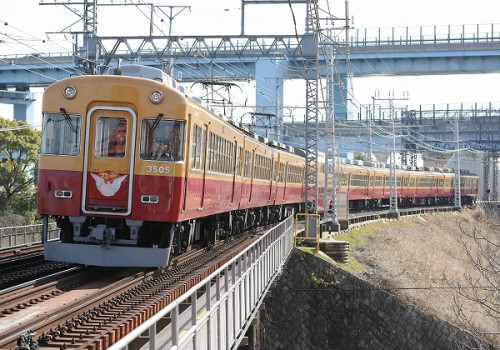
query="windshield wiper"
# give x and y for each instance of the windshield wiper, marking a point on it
(155, 124)
(68, 119)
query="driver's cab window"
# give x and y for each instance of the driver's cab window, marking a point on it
(61, 134)
(162, 140)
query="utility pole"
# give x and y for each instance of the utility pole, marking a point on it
(371, 115)
(393, 179)
(495, 177)
(486, 176)
(332, 163)
(171, 15)
(312, 77)
(86, 56)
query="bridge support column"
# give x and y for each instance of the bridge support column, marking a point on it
(25, 112)
(269, 80)
(342, 96)
(23, 101)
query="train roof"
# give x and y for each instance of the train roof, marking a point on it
(138, 71)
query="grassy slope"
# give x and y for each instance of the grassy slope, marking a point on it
(419, 259)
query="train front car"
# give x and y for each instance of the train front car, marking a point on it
(111, 167)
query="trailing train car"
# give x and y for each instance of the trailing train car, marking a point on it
(134, 170)
(368, 185)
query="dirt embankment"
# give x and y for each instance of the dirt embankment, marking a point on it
(447, 264)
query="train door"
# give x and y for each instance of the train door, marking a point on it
(283, 177)
(371, 184)
(252, 171)
(205, 153)
(235, 167)
(109, 158)
(272, 177)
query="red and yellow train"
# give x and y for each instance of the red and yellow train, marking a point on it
(133, 170)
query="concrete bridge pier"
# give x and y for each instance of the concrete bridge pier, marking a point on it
(342, 97)
(24, 104)
(269, 80)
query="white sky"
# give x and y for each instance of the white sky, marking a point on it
(28, 19)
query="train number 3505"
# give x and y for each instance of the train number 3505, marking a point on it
(155, 169)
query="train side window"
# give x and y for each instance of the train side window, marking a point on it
(216, 152)
(343, 180)
(210, 151)
(227, 160)
(195, 147)
(198, 148)
(238, 160)
(234, 158)
(247, 171)
(256, 170)
(203, 146)
(220, 153)
(282, 172)
(61, 134)
(222, 156)
(162, 140)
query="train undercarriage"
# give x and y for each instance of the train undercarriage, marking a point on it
(407, 202)
(175, 238)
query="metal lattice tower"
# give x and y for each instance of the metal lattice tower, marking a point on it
(393, 180)
(170, 15)
(331, 168)
(330, 150)
(409, 151)
(312, 75)
(89, 36)
(393, 187)
(494, 190)
(87, 55)
(486, 176)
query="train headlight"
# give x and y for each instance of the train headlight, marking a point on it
(69, 92)
(156, 96)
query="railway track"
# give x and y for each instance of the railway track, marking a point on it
(95, 307)
(98, 306)
(360, 218)
(19, 251)
(27, 267)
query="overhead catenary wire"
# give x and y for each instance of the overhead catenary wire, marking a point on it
(268, 94)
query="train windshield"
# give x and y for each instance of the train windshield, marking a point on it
(61, 134)
(162, 140)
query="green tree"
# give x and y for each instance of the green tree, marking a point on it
(19, 149)
(360, 156)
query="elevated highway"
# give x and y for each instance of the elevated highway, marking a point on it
(269, 60)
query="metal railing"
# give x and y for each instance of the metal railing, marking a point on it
(216, 313)
(17, 236)
(420, 35)
(17, 95)
(198, 46)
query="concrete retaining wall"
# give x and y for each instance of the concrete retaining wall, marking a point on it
(316, 305)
